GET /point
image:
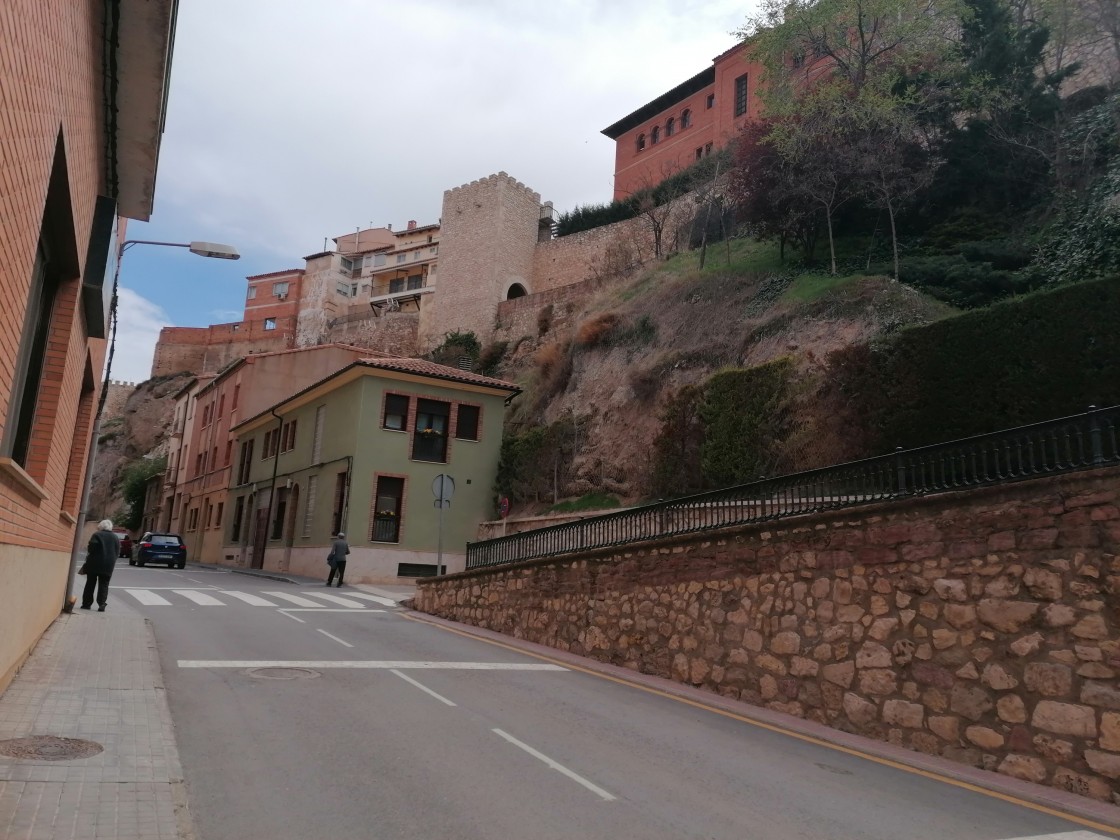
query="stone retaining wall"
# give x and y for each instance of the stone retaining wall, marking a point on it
(979, 626)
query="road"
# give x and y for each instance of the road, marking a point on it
(299, 716)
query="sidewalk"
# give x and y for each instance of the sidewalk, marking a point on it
(96, 677)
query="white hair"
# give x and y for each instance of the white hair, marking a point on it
(341, 535)
(105, 525)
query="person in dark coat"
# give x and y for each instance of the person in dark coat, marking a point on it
(101, 558)
(337, 559)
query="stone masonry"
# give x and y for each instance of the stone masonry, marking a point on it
(981, 626)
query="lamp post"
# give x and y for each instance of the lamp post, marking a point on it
(212, 250)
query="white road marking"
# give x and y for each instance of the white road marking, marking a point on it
(350, 610)
(575, 777)
(148, 599)
(249, 598)
(200, 597)
(296, 617)
(367, 664)
(294, 599)
(338, 599)
(377, 599)
(1065, 835)
(422, 687)
(329, 636)
(179, 588)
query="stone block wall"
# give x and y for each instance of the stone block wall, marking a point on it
(521, 316)
(393, 334)
(209, 349)
(981, 626)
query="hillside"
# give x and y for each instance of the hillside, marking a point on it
(643, 336)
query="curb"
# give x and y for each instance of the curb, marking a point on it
(1055, 800)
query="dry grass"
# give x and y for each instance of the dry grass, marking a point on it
(596, 329)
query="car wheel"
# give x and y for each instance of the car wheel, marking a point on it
(183, 564)
(132, 562)
(140, 563)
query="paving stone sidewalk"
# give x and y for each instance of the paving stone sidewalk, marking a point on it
(93, 676)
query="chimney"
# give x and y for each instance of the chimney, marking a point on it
(412, 224)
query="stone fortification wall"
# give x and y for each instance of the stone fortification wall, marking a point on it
(559, 307)
(981, 626)
(393, 334)
(488, 234)
(115, 399)
(208, 349)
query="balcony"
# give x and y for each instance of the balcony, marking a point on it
(394, 292)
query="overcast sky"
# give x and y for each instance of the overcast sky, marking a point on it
(291, 121)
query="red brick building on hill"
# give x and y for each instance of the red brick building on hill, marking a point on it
(684, 124)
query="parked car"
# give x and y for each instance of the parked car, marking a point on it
(161, 548)
(126, 541)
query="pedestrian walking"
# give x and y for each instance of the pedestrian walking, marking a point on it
(337, 558)
(101, 558)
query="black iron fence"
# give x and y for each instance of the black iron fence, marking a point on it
(1081, 442)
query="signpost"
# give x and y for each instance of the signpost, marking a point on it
(503, 512)
(443, 488)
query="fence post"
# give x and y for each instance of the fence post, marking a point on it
(900, 472)
(1095, 436)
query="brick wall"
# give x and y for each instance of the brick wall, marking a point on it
(50, 89)
(983, 626)
(208, 349)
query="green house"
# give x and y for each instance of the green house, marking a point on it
(359, 452)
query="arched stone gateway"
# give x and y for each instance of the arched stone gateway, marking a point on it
(516, 291)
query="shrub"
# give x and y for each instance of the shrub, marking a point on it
(133, 479)
(641, 333)
(456, 346)
(676, 449)
(596, 330)
(589, 501)
(554, 363)
(544, 319)
(491, 357)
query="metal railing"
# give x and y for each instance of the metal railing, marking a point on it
(1080, 442)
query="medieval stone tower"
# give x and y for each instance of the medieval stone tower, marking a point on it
(489, 230)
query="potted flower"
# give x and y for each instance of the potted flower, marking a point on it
(430, 432)
(387, 514)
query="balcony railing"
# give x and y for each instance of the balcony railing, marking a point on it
(400, 285)
(1081, 442)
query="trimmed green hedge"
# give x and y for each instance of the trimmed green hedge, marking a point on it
(1020, 361)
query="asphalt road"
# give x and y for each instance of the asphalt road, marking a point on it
(328, 719)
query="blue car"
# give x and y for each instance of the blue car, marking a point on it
(160, 548)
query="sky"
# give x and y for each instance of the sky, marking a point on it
(292, 122)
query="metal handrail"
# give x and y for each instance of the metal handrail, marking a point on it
(1080, 442)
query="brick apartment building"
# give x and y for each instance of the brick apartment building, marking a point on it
(83, 88)
(684, 124)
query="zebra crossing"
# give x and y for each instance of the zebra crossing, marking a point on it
(166, 596)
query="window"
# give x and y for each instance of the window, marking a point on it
(741, 95)
(429, 442)
(641, 142)
(387, 506)
(213, 457)
(378, 259)
(208, 515)
(466, 425)
(238, 515)
(246, 462)
(343, 288)
(699, 152)
(396, 413)
(271, 444)
(270, 323)
(288, 437)
(218, 514)
(198, 463)
(192, 521)
(396, 285)
(433, 250)
(710, 102)
(280, 289)
(400, 258)
(222, 405)
(252, 293)
(339, 502)
(229, 453)
(345, 265)
(205, 416)
(416, 281)
(707, 149)
(236, 397)
(309, 513)
(317, 442)
(686, 118)
(670, 127)
(655, 135)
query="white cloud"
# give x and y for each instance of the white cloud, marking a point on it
(138, 324)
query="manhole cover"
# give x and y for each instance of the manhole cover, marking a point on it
(49, 748)
(282, 673)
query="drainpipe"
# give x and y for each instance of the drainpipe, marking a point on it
(272, 490)
(346, 501)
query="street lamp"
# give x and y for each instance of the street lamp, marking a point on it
(213, 250)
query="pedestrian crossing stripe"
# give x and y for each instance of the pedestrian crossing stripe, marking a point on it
(282, 600)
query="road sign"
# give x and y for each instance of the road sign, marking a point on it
(503, 507)
(443, 488)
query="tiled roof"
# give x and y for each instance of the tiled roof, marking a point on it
(426, 368)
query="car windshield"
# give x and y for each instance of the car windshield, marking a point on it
(164, 539)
